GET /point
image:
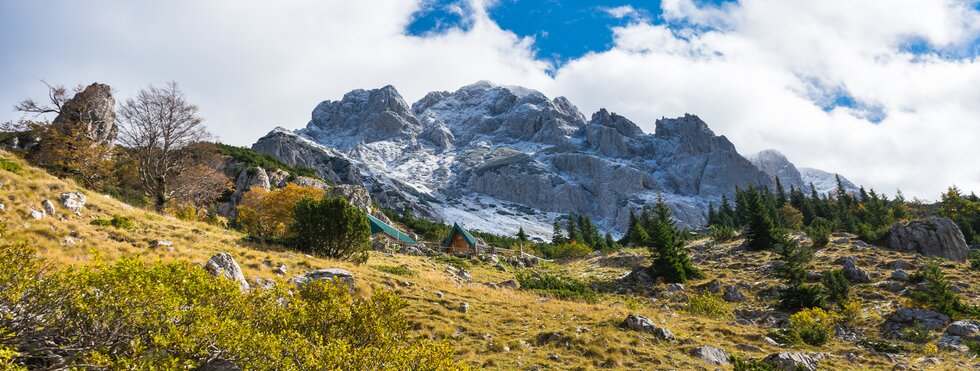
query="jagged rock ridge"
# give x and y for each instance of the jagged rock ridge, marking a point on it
(495, 158)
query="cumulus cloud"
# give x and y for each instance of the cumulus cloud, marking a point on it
(765, 73)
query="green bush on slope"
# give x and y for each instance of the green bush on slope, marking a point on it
(134, 315)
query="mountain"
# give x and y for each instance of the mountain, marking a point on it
(775, 164)
(496, 158)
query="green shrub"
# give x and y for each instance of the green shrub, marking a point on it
(819, 234)
(883, 346)
(837, 286)
(722, 233)
(453, 260)
(121, 222)
(974, 259)
(331, 227)
(802, 296)
(561, 287)
(428, 230)
(813, 326)
(134, 315)
(934, 292)
(916, 334)
(751, 364)
(10, 166)
(870, 234)
(709, 305)
(973, 346)
(398, 270)
(571, 250)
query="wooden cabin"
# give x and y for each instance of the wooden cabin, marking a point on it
(459, 241)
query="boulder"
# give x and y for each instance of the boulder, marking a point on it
(791, 362)
(223, 265)
(643, 324)
(899, 275)
(908, 317)
(954, 336)
(465, 307)
(73, 201)
(280, 270)
(852, 272)
(37, 214)
(930, 237)
(733, 294)
(712, 355)
(675, 287)
(335, 274)
(898, 264)
(509, 284)
(48, 207)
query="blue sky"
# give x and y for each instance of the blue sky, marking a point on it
(566, 30)
(562, 30)
(883, 91)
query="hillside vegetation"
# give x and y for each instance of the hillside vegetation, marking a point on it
(568, 318)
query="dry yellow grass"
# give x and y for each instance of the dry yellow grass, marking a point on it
(502, 327)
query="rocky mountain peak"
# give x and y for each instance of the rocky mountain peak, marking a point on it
(364, 116)
(776, 165)
(622, 125)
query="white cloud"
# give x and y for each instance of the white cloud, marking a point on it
(620, 12)
(752, 69)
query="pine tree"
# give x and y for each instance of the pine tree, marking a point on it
(726, 214)
(521, 236)
(780, 194)
(712, 215)
(671, 261)
(639, 236)
(794, 270)
(630, 227)
(573, 234)
(610, 242)
(556, 235)
(760, 230)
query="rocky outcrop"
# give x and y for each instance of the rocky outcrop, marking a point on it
(712, 355)
(223, 265)
(643, 324)
(335, 274)
(852, 272)
(91, 112)
(930, 237)
(73, 201)
(959, 332)
(909, 317)
(791, 362)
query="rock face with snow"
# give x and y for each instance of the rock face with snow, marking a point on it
(496, 158)
(825, 182)
(775, 164)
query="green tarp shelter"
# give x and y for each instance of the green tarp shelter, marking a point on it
(377, 226)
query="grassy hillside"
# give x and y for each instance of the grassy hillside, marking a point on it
(503, 328)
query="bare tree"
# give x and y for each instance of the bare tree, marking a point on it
(158, 125)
